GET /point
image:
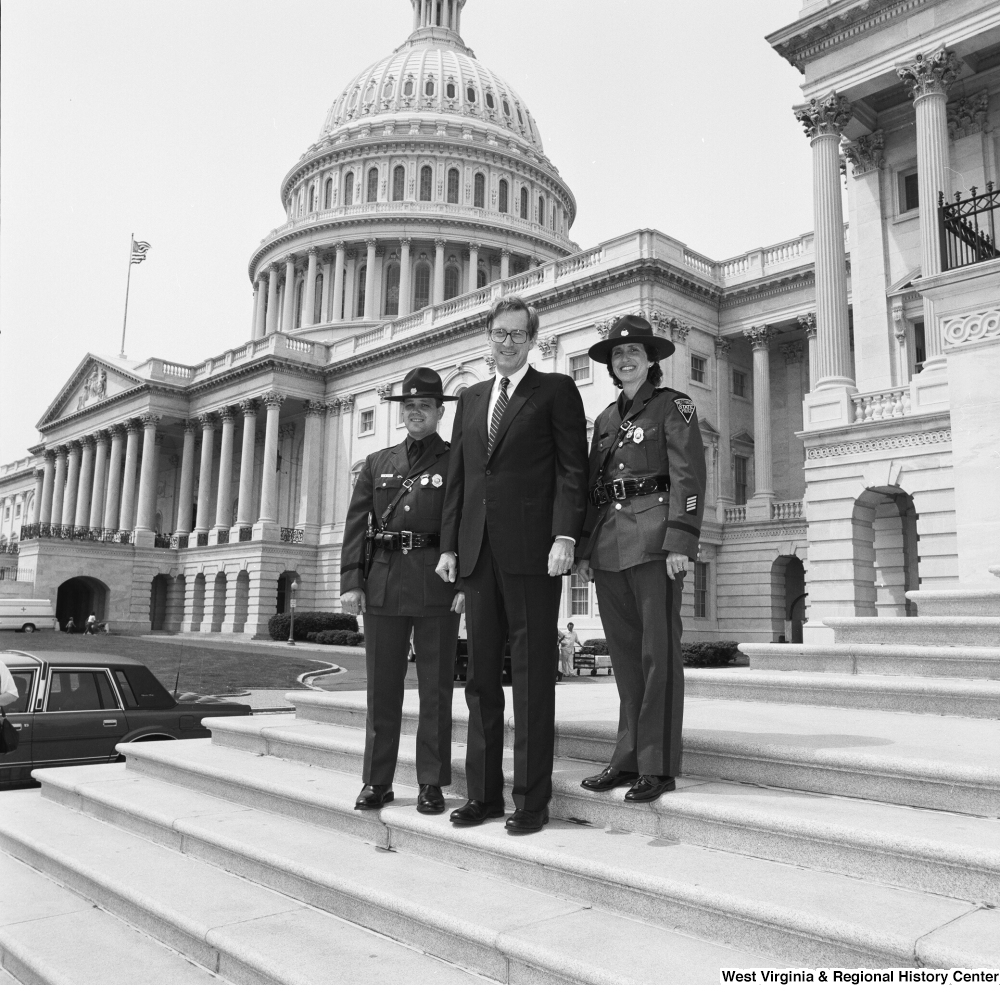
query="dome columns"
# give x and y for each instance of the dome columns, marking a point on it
(338, 282)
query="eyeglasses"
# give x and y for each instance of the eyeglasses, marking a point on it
(519, 336)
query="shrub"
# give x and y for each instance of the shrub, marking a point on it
(337, 637)
(596, 646)
(309, 622)
(716, 653)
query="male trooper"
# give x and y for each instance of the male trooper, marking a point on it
(403, 489)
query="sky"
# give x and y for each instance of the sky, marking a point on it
(176, 120)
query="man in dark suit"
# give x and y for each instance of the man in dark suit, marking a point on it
(514, 508)
(404, 487)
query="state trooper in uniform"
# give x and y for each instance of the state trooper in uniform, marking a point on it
(403, 489)
(647, 487)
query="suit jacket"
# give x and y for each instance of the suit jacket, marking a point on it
(530, 488)
(643, 528)
(399, 584)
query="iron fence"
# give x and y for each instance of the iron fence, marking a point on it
(223, 537)
(291, 535)
(968, 227)
(246, 533)
(61, 531)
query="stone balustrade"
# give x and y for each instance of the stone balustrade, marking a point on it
(881, 405)
(735, 514)
(790, 509)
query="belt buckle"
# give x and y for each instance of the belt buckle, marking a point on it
(618, 488)
(406, 540)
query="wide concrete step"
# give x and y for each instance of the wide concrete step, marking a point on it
(932, 851)
(482, 878)
(920, 696)
(956, 602)
(916, 760)
(51, 935)
(244, 932)
(491, 927)
(957, 662)
(917, 631)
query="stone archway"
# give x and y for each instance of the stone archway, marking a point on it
(158, 589)
(285, 580)
(198, 604)
(219, 602)
(79, 597)
(788, 595)
(241, 602)
(886, 560)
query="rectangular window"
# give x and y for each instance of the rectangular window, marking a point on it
(73, 691)
(126, 689)
(367, 425)
(909, 191)
(579, 602)
(701, 589)
(22, 680)
(698, 369)
(741, 469)
(919, 345)
(739, 383)
(579, 367)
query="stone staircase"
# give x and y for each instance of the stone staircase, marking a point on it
(836, 810)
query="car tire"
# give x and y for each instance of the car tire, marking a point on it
(28, 628)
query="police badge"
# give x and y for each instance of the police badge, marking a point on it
(637, 435)
(437, 481)
(686, 408)
(424, 479)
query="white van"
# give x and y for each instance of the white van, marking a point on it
(27, 615)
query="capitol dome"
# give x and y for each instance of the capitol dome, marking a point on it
(428, 180)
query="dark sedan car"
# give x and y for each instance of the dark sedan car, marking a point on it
(77, 707)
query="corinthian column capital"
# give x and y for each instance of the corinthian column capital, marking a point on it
(828, 115)
(273, 399)
(759, 336)
(865, 153)
(807, 323)
(929, 74)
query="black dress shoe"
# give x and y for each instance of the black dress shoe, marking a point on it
(430, 800)
(525, 822)
(649, 787)
(373, 796)
(609, 779)
(475, 812)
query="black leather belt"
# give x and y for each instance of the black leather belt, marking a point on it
(607, 492)
(405, 540)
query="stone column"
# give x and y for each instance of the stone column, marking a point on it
(44, 514)
(244, 506)
(438, 295)
(59, 485)
(271, 316)
(257, 301)
(928, 80)
(85, 485)
(324, 304)
(145, 524)
(405, 288)
(350, 282)
(288, 314)
(113, 498)
(72, 484)
(504, 264)
(312, 464)
(309, 294)
(338, 283)
(330, 464)
(186, 506)
(370, 280)
(808, 324)
(723, 395)
(100, 478)
(260, 307)
(223, 499)
(679, 365)
(127, 519)
(473, 266)
(269, 479)
(202, 520)
(760, 338)
(41, 474)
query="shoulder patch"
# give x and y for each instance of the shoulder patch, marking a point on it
(686, 408)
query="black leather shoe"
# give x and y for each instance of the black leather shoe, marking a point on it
(475, 812)
(430, 800)
(650, 787)
(373, 796)
(609, 779)
(525, 822)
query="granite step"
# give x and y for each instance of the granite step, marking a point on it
(956, 602)
(919, 631)
(931, 851)
(94, 947)
(286, 890)
(957, 662)
(752, 905)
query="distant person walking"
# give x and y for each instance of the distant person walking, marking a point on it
(70, 626)
(91, 628)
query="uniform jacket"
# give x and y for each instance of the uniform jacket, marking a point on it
(646, 527)
(399, 584)
(531, 488)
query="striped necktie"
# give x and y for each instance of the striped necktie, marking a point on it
(498, 413)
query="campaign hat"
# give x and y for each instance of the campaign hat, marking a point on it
(421, 382)
(630, 328)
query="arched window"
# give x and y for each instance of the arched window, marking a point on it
(312, 198)
(479, 199)
(301, 202)
(541, 210)
(453, 186)
(429, 87)
(422, 286)
(299, 294)
(343, 300)
(373, 184)
(362, 278)
(318, 313)
(349, 188)
(328, 193)
(451, 278)
(489, 100)
(480, 277)
(370, 92)
(426, 183)
(398, 183)
(392, 289)
(450, 90)
(524, 203)
(502, 195)
(408, 87)
(387, 90)
(520, 119)
(470, 94)
(506, 107)
(553, 217)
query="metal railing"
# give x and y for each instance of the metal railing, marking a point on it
(968, 228)
(246, 533)
(58, 531)
(9, 547)
(8, 574)
(179, 541)
(223, 537)
(203, 539)
(162, 540)
(291, 535)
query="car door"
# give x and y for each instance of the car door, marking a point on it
(82, 719)
(16, 766)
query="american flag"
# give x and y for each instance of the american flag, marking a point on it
(139, 251)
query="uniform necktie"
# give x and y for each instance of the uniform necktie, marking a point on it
(413, 452)
(498, 413)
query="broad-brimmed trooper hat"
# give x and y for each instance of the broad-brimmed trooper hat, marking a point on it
(421, 382)
(630, 328)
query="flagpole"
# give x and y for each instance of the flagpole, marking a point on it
(128, 281)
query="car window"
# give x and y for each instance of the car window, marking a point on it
(23, 679)
(107, 692)
(73, 690)
(126, 689)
